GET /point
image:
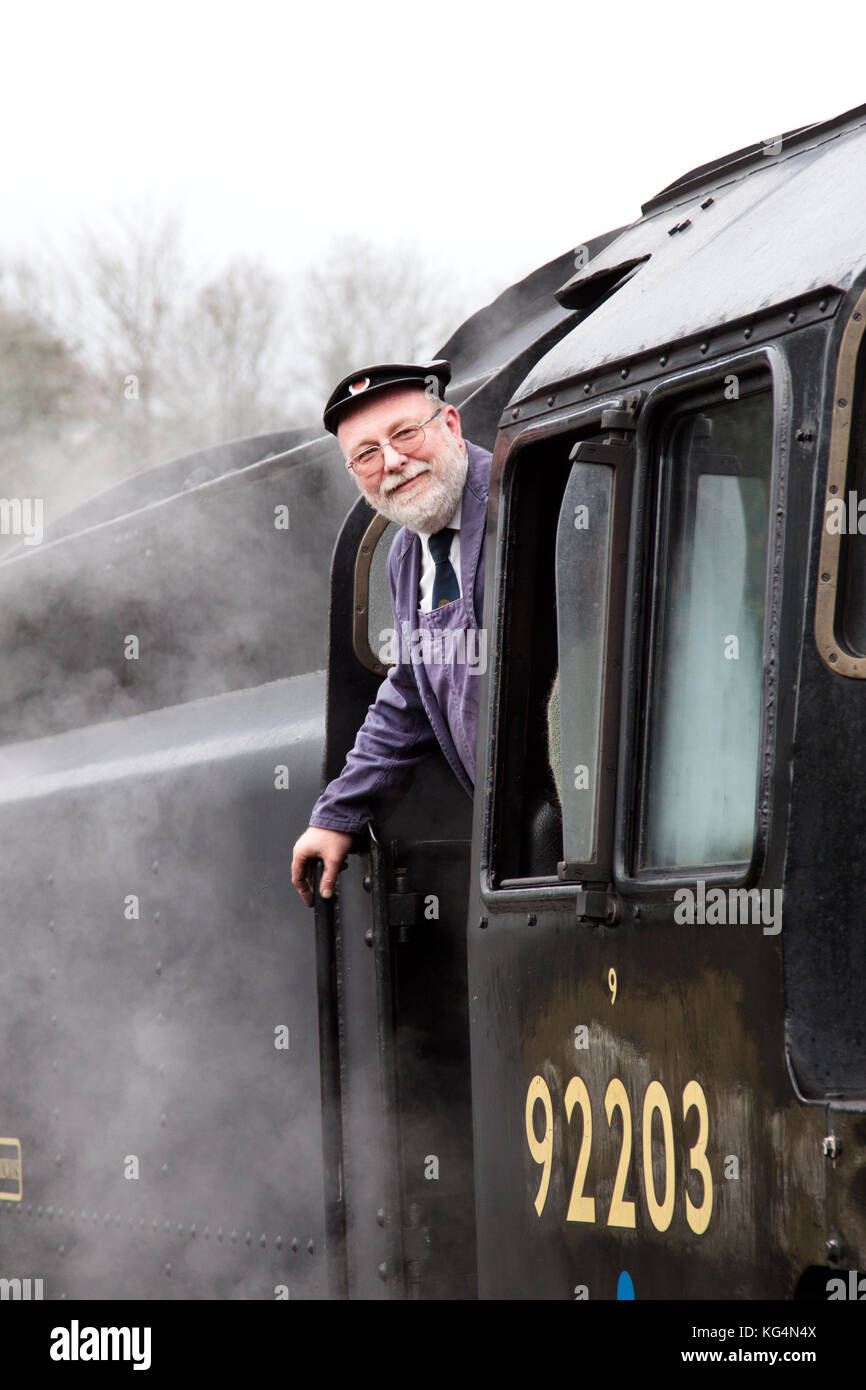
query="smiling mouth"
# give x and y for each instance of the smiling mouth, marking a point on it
(408, 483)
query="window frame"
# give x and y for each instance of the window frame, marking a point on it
(581, 424)
(667, 401)
(765, 360)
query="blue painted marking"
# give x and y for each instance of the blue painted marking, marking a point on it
(624, 1287)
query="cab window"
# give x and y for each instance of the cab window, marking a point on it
(705, 660)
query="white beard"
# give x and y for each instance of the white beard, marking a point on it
(437, 503)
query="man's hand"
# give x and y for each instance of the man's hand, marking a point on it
(331, 846)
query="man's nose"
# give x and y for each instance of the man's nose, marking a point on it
(392, 459)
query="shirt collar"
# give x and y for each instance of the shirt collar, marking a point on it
(452, 525)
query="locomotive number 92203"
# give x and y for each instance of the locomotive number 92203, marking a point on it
(622, 1211)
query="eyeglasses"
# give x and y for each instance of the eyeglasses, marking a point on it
(405, 441)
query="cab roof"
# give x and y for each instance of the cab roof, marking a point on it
(728, 240)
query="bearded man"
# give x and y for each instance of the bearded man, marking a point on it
(405, 448)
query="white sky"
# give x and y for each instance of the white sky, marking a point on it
(274, 126)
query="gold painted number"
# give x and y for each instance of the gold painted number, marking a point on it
(656, 1099)
(699, 1217)
(541, 1149)
(621, 1211)
(580, 1208)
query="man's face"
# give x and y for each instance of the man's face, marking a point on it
(420, 490)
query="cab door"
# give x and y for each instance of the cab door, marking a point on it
(634, 1122)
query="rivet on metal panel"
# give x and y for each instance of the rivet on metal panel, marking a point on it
(380, 1216)
(825, 578)
(310, 1247)
(168, 1269)
(367, 884)
(842, 402)
(382, 1271)
(587, 388)
(531, 919)
(663, 360)
(262, 1242)
(248, 1238)
(295, 1244)
(792, 317)
(831, 1146)
(515, 412)
(822, 305)
(482, 922)
(279, 1242)
(551, 400)
(623, 371)
(704, 347)
(747, 332)
(368, 936)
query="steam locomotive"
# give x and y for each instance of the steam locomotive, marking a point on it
(599, 1034)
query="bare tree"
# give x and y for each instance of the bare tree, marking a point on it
(233, 365)
(363, 303)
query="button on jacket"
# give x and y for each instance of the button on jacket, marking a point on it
(431, 695)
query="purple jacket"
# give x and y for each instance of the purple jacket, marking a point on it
(431, 694)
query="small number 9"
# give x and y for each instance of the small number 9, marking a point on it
(611, 984)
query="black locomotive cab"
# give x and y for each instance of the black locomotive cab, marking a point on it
(666, 960)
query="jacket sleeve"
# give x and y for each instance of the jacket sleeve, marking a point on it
(395, 737)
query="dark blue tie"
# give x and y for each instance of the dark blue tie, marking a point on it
(445, 585)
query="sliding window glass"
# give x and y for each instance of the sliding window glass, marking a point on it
(705, 665)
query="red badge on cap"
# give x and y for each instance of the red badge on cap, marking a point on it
(359, 386)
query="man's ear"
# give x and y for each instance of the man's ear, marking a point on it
(451, 419)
